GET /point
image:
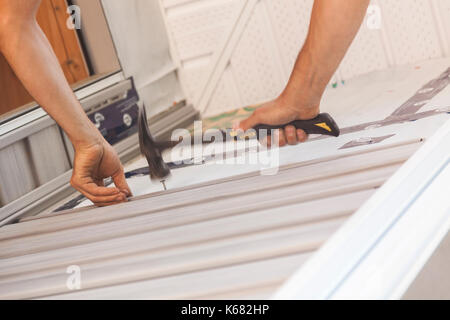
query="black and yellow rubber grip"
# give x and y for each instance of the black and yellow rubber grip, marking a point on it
(322, 124)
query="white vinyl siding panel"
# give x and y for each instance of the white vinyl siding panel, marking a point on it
(173, 239)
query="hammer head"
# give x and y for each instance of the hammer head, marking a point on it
(150, 149)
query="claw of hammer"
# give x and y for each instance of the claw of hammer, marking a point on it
(158, 169)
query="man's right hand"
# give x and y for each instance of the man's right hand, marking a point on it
(279, 112)
(334, 24)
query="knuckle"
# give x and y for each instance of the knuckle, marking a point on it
(302, 136)
(290, 130)
(74, 183)
(96, 200)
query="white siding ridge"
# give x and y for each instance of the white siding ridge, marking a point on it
(382, 247)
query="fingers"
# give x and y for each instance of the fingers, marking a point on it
(99, 195)
(294, 136)
(272, 113)
(281, 138)
(121, 182)
(302, 136)
(289, 135)
(104, 200)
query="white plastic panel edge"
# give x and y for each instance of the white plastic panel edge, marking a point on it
(379, 224)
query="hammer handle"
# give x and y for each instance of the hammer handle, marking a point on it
(322, 124)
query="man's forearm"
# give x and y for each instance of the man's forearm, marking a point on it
(334, 24)
(30, 55)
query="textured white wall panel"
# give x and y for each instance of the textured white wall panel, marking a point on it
(367, 53)
(261, 61)
(442, 14)
(226, 94)
(254, 58)
(412, 30)
(193, 72)
(197, 27)
(290, 20)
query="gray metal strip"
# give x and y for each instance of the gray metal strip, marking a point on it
(365, 141)
(423, 95)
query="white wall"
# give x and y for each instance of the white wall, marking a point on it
(238, 52)
(97, 38)
(140, 37)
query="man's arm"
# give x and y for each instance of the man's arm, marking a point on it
(334, 24)
(30, 55)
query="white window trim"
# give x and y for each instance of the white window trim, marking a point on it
(38, 113)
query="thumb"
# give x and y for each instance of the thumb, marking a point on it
(121, 183)
(250, 122)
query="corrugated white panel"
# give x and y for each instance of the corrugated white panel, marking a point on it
(49, 158)
(215, 220)
(16, 173)
(261, 62)
(191, 237)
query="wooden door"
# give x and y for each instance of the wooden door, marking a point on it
(52, 17)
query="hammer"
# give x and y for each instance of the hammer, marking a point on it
(159, 170)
